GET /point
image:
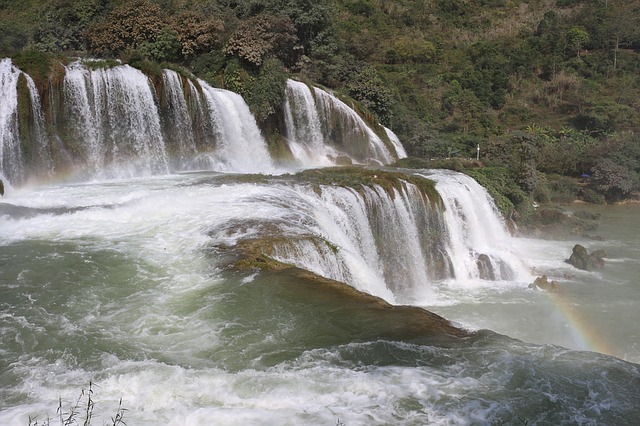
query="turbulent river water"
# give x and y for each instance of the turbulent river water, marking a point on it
(118, 283)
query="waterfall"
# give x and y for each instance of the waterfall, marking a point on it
(321, 129)
(241, 147)
(478, 242)
(114, 123)
(400, 151)
(304, 129)
(385, 241)
(12, 165)
(392, 239)
(117, 127)
(41, 156)
(347, 129)
(179, 126)
(21, 150)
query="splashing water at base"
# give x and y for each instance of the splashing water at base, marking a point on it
(116, 283)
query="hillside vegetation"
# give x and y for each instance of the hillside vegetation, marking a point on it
(546, 89)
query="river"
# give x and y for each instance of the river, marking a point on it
(121, 283)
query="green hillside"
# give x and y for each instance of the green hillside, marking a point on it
(547, 89)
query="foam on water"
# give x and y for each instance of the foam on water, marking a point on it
(121, 290)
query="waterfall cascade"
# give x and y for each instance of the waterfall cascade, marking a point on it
(27, 149)
(115, 122)
(11, 164)
(321, 129)
(392, 236)
(388, 240)
(479, 244)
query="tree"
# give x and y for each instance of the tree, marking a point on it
(196, 32)
(622, 25)
(367, 87)
(577, 37)
(265, 36)
(126, 28)
(613, 180)
(62, 22)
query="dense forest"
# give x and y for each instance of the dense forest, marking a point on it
(544, 92)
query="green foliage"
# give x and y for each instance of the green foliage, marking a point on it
(265, 36)
(35, 63)
(14, 37)
(265, 94)
(577, 38)
(367, 87)
(236, 78)
(165, 46)
(196, 32)
(603, 116)
(310, 17)
(209, 65)
(500, 183)
(62, 23)
(613, 180)
(126, 28)
(555, 83)
(562, 189)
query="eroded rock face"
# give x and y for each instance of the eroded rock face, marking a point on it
(485, 268)
(581, 259)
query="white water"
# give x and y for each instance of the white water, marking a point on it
(117, 283)
(11, 164)
(476, 227)
(112, 124)
(122, 283)
(41, 156)
(116, 121)
(353, 128)
(321, 128)
(397, 145)
(180, 123)
(305, 138)
(240, 146)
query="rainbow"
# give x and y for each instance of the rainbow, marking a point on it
(584, 334)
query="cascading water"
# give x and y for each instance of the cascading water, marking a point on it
(128, 283)
(41, 157)
(179, 126)
(240, 146)
(120, 284)
(304, 129)
(478, 242)
(11, 161)
(321, 128)
(113, 123)
(394, 242)
(15, 165)
(400, 151)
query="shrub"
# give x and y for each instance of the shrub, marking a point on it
(614, 181)
(266, 92)
(126, 28)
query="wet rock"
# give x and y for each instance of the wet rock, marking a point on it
(485, 268)
(543, 283)
(343, 160)
(581, 259)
